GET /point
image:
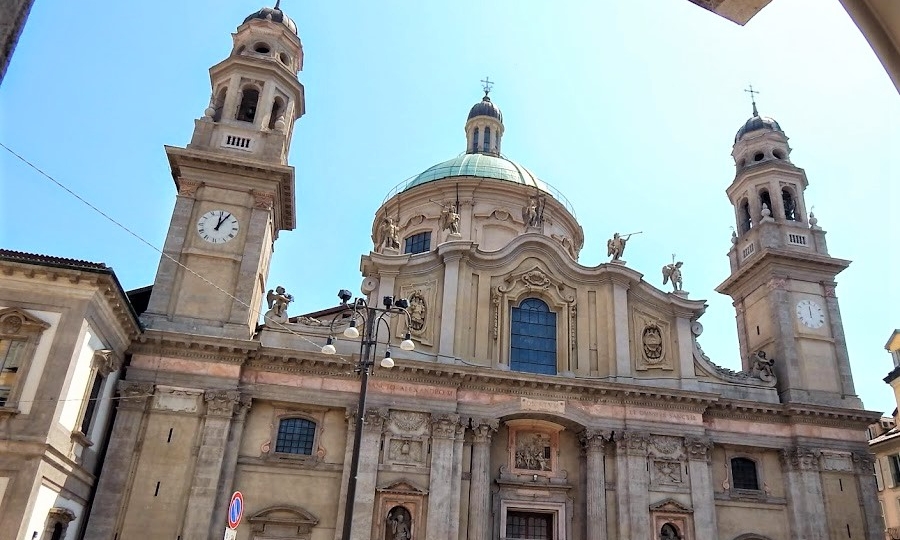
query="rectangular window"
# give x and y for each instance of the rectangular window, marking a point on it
(530, 525)
(90, 408)
(11, 357)
(895, 468)
(417, 243)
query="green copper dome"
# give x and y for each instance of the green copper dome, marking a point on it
(480, 166)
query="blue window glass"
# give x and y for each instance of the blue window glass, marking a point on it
(417, 243)
(533, 338)
(475, 141)
(295, 436)
(487, 139)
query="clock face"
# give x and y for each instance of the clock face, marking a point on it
(810, 314)
(217, 226)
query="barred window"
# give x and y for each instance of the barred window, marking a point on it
(533, 338)
(295, 436)
(530, 525)
(417, 243)
(743, 473)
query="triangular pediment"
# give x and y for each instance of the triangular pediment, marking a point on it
(671, 506)
(402, 486)
(18, 321)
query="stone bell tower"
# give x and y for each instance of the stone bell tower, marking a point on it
(235, 189)
(782, 277)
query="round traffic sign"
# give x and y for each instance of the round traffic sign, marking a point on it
(235, 510)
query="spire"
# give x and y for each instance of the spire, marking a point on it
(751, 91)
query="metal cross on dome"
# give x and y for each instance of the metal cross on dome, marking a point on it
(487, 85)
(751, 91)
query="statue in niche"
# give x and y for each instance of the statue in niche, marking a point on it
(615, 246)
(389, 234)
(763, 368)
(418, 309)
(450, 220)
(278, 301)
(399, 524)
(533, 451)
(669, 532)
(530, 213)
(672, 272)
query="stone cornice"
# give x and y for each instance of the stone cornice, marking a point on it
(78, 274)
(173, 344)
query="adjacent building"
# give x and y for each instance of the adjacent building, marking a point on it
(884, 440)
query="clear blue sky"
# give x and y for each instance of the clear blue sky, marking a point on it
(629, 108)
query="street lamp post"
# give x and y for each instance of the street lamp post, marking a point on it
(372, 318)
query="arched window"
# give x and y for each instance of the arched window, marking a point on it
(745, 222)
(295, 436)
(417, 243)
(475, 141)
(743, 473)
(533, 338)
(247, 111)
(790, 206)
(219, 104)
(277, 110)
(487, 139)
(764, 199)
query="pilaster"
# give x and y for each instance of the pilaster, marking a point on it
(443, 434)
(452, 260)
(698, 453)
(179, 226)
(622, 340)
(202, 500)
(106, 510)
(593, 443)
(479, 526)
(633, 484)
(864, 463)
(806, 502)
(229, 465)
(840, 341)
(364, 504)
(240, 322)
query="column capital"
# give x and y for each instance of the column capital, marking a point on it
(221, 402)
(483, 429)
(800, 458)
(134, 395)
(374, 419)
(698, 448)
(633, 443)
(594, 440)
(863, 462)
(443, 426)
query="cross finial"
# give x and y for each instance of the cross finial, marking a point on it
(751, 91)
(278, 5)
(487, 84)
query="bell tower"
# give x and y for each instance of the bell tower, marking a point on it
(235, 188)
(782, 278)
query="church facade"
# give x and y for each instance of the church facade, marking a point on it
(541, 398)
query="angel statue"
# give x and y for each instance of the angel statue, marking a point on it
(672, 272)
(278, 301)
(388, 235)
(450, 220)
(530, 213)
(615, 246)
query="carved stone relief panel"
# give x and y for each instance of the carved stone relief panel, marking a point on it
(652, 340)
(406, 439)
(667, 472)
(533, 447)
(422, 311)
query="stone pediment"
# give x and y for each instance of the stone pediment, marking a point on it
(15, 320)
(536, 279)
(402, 486)
(671, 506)
(283, 519)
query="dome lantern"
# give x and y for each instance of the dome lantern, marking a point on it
(484, 125)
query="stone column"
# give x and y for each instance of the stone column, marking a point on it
(593, 443)
(364, 503)
(633, 484)
(120, 456)
(864, 463)
(480, 484)
(456, 483)
(698, 453)
(443, 433)
(201, 504)
(806, 502)
(229, 465)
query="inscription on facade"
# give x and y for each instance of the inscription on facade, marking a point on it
(678, 417)
(540, 405)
